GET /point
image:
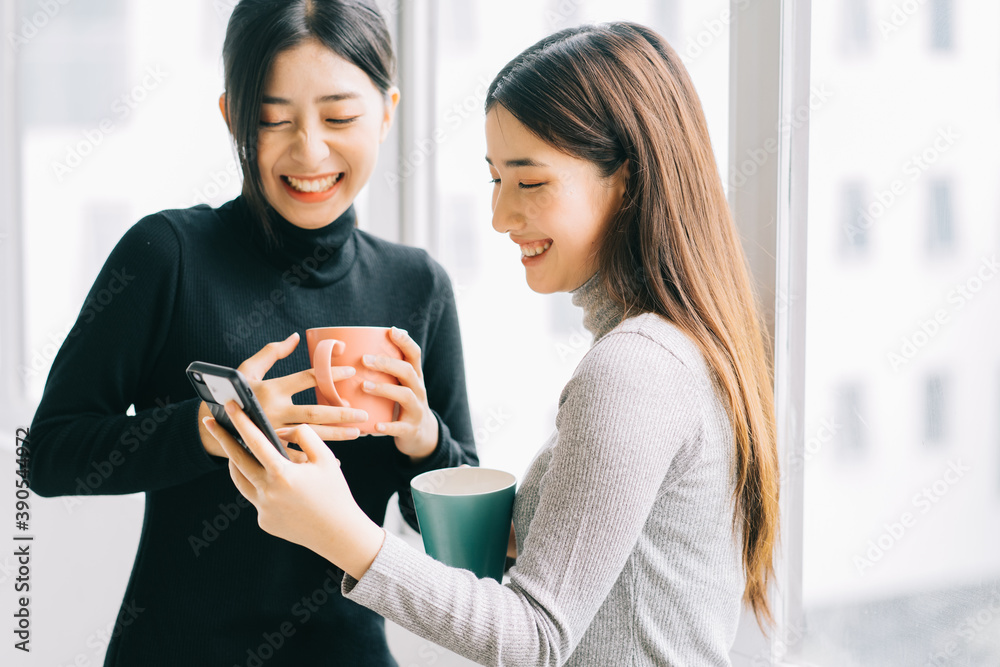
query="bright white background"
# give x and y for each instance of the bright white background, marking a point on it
(116, 117)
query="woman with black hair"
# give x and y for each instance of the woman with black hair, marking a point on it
(309, 97)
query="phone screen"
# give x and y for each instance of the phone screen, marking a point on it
(216, 385)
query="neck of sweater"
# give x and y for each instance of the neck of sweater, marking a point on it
(600, 313)
(316, 257)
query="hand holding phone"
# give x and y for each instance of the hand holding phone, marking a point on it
(217, 385)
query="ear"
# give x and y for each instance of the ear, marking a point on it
(620, 181)
(222, 108)
(391, 101)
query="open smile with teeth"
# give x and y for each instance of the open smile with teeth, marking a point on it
(313, 185)
(535, 249)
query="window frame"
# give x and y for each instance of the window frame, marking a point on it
(769, 74)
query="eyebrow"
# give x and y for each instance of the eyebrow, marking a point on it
(522, 162)
(336, 97)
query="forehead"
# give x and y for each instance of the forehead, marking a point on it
(510, 144)
(506, 136)
(310, 68)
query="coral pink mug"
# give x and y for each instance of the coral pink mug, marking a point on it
(345, 346)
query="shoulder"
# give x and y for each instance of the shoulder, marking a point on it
(645, 348)
(644, 371)
(409, 265)
(655, 333)
(165, 231)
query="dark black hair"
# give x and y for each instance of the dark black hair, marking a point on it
(259, 30)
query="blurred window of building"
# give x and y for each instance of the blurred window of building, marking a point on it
(940, 217)
(854, 229)
(942, 34)
(935, 407)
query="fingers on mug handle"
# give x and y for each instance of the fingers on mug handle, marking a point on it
(325, 349)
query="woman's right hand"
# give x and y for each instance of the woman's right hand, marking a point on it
(275, 398)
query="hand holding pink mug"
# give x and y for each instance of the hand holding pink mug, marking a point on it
(346, 346)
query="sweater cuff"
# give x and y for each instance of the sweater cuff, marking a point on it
(443, 455)
(193, 458)
(391, 558)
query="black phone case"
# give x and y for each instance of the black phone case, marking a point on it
(244, 395)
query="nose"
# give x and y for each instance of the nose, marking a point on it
(506, 216)
(310, 148)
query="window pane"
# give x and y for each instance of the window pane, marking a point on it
(902, 534)
(856, 22)
(854, 229)
(940, 237)
(126, 124)
(941, 21)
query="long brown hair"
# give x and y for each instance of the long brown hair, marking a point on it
(617, 94)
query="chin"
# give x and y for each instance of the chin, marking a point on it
(315, 218)
(540, 287)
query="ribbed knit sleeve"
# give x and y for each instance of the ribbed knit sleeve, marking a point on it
(629, 409)
(82, 441)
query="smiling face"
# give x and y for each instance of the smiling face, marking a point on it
(554, 206)
(321, 124)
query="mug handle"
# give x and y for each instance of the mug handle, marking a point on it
(322, 360)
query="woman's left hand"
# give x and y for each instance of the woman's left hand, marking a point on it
(306, 502)
(416, 430)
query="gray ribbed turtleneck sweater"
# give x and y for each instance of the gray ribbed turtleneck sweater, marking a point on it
(624, 522)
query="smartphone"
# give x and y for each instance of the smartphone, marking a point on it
(217, 385)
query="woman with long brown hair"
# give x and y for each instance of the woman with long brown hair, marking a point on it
(653, 509)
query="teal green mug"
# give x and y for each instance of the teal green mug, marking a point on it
(464, 517)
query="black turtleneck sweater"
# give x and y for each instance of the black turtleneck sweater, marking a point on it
(208, 586)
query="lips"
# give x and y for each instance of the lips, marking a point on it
(312, 189)
(535, 249)
(532, 247)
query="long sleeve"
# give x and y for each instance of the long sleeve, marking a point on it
(623, 417)
(82, 441)
(444, 379)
